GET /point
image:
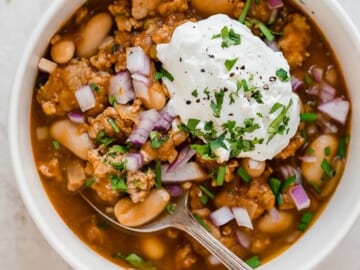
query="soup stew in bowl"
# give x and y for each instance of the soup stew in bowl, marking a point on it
(250, 112)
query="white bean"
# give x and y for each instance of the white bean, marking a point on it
(153, 247)
(93, 34)
(63, 51)
(67, 133)
(210, 7)
(253, 168)
(133, 215)
(311, 167)
(269, 224)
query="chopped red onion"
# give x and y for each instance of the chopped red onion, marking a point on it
(85, 98)
(275, 3)
(221, 216)
(76, 117)
(141, 86)
(137, 61)
(190, 171)
(121, 87)
(327, 92)
(337, 109)
(134, 161)
(183, 157)
(288, 170)
(175, 190)
(272, 45)
(140, 134)
(326, 125)
(274, 214)
(243, 238)
(300, 197)
(167, 116)
(317, 73)
(314, 90)
(242, 217)
(296, 83)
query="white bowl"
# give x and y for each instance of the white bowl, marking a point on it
(313, 247)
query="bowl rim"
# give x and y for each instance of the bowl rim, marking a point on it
(15, 152)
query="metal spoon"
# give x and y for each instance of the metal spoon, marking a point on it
(182, 219)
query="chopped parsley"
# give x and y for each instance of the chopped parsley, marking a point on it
(264, 30)
(279, 124)
(195, 93)
(253, 262)
(229, 37)
(170, 208)
(157, 139)
(282, 75)
(257, 96)
(89, 182)
(112, 100)
(117, 149)
(217, 104)
(163, 73)
(103, 139)
(229, 63)
(95, 87)
(115, 48)
(56, 145)
(113, 125)
(119, 166)
(242, 84)
(118, 182)
(305, 221)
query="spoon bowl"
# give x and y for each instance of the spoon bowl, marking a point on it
(184, 220)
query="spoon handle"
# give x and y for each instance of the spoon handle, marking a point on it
(232, 262)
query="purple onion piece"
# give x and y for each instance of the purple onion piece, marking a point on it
(140, 134)
(296, 83)
(175, 190)
(121, 87)
(77, 117)
(275, 4)
(183, 157)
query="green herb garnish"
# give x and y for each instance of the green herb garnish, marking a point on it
(282, 75)
(207, 192)
(344, 141)
(229, 63)
(305, 221)
(245, 11)
(253, 262)
(113, 125)
(138, 262)
(201, 222)
(220, 176)
(195, 93)
(243, 174)
(103, 139)
(163, 73)
(170, 208)
(326, 166)
(158, 177)
(95, 87)
(229, 37)
(327, 151)
(275, 185)
(157, 139)
(308, 117)
(217, 104)
(279, 124)
(112, 100)
(118, 182)
(56, 145)
(89, 182)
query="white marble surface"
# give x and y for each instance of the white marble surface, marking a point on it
(21, 245)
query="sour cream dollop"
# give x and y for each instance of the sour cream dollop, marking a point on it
(227, 82)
